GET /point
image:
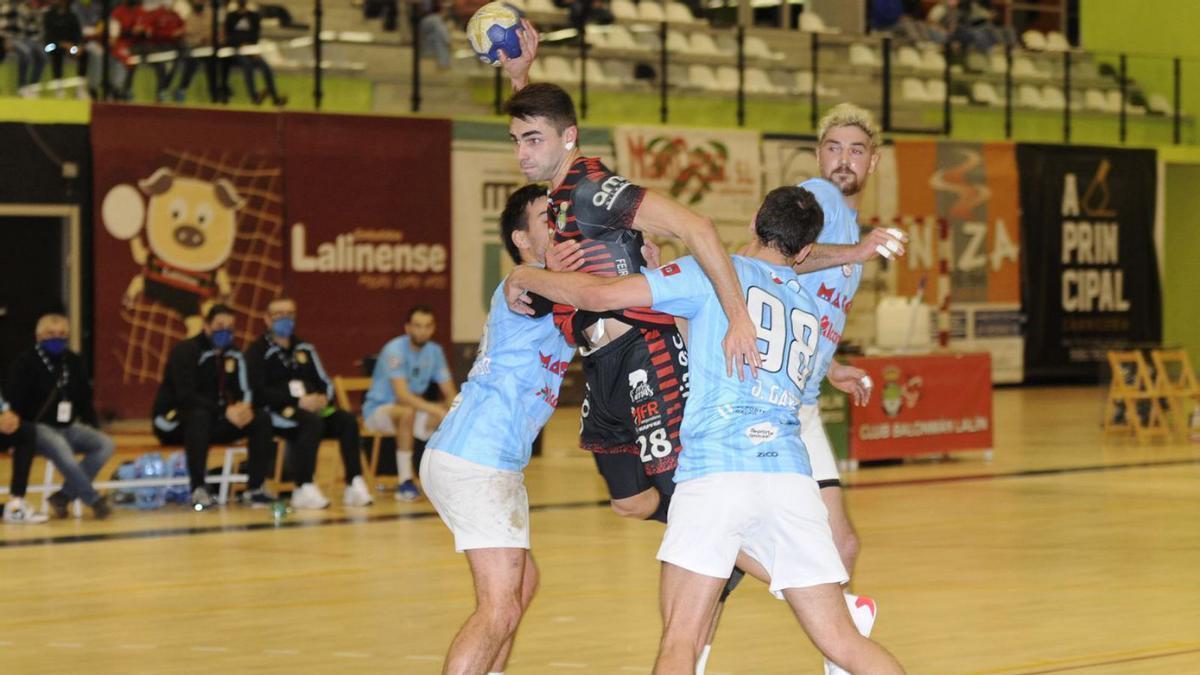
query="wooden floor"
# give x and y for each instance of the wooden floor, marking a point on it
(1066, 552)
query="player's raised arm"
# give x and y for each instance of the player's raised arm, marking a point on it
(518, 69)
(664, 217)
(888, 243)
(583, 291)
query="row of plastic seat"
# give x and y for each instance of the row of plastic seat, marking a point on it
(1051, 41)
(697, 75)
(678, 42)
(1047, 97)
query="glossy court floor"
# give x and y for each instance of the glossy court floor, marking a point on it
(1066, 553)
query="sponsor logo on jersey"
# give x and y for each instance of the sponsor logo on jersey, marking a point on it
(639, 386)
(671, 269)
(549, 396)
(762, 432)
(834, 297)
(827, 330)
(552, 364)
(610, 189)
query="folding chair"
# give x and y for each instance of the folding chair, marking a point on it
(343, 387)
(1132, 393)
(1176, 382)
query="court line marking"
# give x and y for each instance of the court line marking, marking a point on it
(353, 655)
(567, 664)
(281, 652)
(214, 650)
(141, 647)
(65, 645)
(426, 657)
(563, 506)
(1109, 662)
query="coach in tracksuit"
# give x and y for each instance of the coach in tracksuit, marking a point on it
(205, 398)
(288, 378)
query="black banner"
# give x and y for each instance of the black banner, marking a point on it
(1089, 282)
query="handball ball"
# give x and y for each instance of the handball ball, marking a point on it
(492, 28)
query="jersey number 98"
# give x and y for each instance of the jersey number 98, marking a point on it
(796, 352)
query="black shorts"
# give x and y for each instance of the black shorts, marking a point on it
(626, 476)
(635, 388)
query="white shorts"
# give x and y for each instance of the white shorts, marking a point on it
(816, 441)
(381, 422)
(776, 518)
(482, 506)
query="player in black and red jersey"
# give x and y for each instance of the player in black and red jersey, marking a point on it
(634, 360)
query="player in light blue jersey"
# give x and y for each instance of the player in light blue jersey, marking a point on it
(406, 371)
(847, 155)
(744, 484)
(473, 468)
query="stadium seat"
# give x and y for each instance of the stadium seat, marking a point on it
(561, 69)
(1052, 98)
(933, 60)
(541, 7)
(677, 12)
(1159, 105)
(597, 38)
(979, 63)
(1034, 39)
(646, 39)
(1029, 96)
(864, 56)
(1113, 98)
(811, 22)
(703, 43)
(913, 89)
(537, 71)
(908, 57)
(726, 78)
(984, 92)
(595, 73)
(700, 76)
(804, 82)
(758, 82)
(756, 48)
(1056, 42)
(618, 72)
(619, 37)
(678, 43)
(997, 61)
(1023, 67)
(624, 10)
(651, 10)
(1094, 99)
(935, 90)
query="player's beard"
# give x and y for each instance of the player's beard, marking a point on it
(847, 181)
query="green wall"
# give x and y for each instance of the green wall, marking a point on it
(1181, 258)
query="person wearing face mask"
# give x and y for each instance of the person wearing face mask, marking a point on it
(205, 398)
(287, 377)
(49, 388)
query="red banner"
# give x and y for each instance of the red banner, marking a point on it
(923, 404)
(200, 206)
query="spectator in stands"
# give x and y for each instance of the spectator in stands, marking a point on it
(388, 9)
(969, 23)
(164, 38)
(49, 387)
(23, 19)
(128, 42)
(243, 29)
(435, 36)
(91, 62)
(22, 438)
(407, 368)
(61, 37)
(205, 398)
(197, 32)
(905, 20)
(288, 378)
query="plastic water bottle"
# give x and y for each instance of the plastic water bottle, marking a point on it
(278, 510)
(151, 465)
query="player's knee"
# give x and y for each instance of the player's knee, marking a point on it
(503, 613)
(402, 414)
(640, 506)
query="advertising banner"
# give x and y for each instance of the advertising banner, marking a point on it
(1090, 279)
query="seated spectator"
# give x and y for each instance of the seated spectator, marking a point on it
(24, 25)
(61, 35)
(164, 38)
(969, 23)
(50, 388)
(288, 378)
(243, 29)
(408, 366)
(91, 62)
(197, 32)
(21, 437)
(435, 36)
(205, 398)
(128, 40)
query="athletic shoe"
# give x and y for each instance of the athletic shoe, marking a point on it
(308, 497)
(357, 494)
(201, 499)
(258, 499)
(59, 503)
(18, 512)
(862, 610)
(407, 492)
(101, 509)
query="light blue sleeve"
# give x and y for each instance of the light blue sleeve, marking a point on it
(442, 372)
(392, 358)
(679, 288)
(832, 203)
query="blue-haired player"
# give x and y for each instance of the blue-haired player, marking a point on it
(744, 483)
(473, 467)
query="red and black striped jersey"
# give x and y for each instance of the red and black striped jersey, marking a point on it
(596, 207)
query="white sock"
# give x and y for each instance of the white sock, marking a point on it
(703, 661)
(496, 673)
(404, 465)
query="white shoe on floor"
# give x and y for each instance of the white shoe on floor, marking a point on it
(357, 494)
(18, 512)
(308, 497)
(862, 610)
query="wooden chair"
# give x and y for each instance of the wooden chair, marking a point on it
(343, 388)
(1131, 391)
(1176, 382)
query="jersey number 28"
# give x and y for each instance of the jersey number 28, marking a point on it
(797, 351)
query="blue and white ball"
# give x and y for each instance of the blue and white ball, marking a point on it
(495, 26)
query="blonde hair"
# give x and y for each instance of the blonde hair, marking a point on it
(48, 320)
(849, 115)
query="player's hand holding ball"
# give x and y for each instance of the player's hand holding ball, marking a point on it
(501, 36)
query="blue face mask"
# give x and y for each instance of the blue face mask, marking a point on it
(222, 338)
(283, 327)
(54, 346)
